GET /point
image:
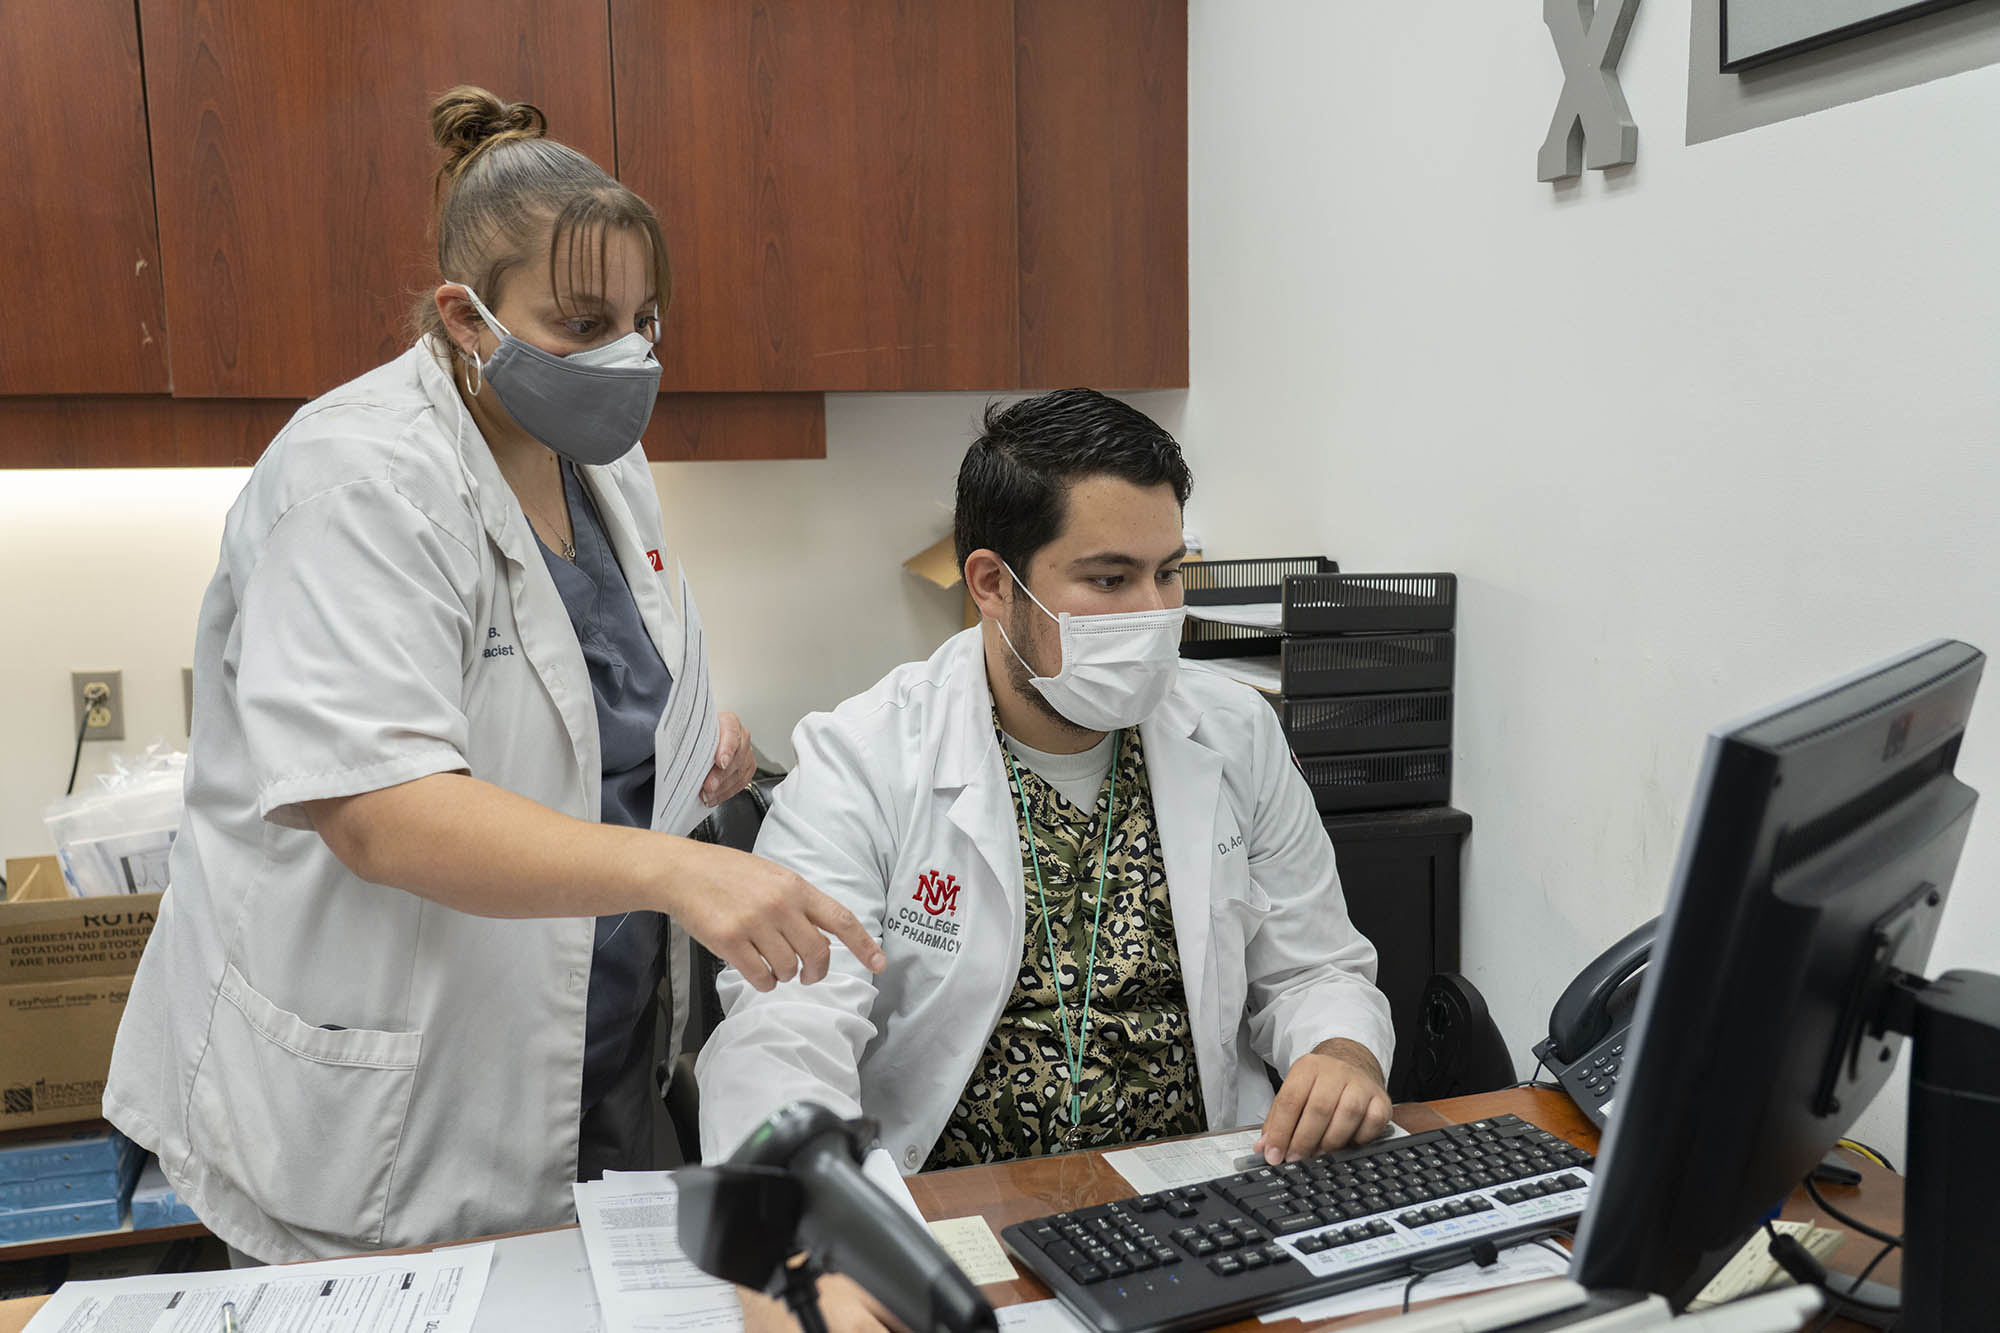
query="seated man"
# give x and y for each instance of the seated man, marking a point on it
(1106, 899)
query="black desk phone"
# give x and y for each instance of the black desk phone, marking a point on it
(1585, 1048)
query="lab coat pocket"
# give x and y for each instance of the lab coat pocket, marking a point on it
(305, 1120)
(1233, 921)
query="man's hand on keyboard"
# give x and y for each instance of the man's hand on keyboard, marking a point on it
(842, 1303)
(1332, 1097)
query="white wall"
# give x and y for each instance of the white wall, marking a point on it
(807, 557)
(1694, 435)
(797, 567)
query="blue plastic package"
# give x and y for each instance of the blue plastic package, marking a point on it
(62, 1220)
(154, 1203)
(50, 1191)
(75, 1153)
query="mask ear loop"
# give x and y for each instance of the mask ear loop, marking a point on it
(1020, 583)
(475, 377)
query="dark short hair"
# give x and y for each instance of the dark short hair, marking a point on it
(1013, 486)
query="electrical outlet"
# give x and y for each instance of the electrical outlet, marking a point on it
(102, 695)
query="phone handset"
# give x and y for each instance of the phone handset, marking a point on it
(1583, 1016)
(1585, 1048)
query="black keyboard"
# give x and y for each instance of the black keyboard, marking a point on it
(1245, 1243)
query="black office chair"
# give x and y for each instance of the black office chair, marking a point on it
(1460, 1050)
(734, 824)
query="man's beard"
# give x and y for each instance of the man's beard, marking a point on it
(1020, 679)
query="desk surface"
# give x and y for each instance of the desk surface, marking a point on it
(1016, 1191)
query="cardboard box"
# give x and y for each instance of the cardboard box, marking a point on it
(35, 879)
(65, 970)
(938, 563)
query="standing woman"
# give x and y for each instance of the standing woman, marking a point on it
(402, 988)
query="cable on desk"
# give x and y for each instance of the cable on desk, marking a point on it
(1808, 1271)
(1535, 1080)
(1482, 1252)
(1558, 1251)
(1419, 1273)
(1851, 1223)
(1857, 1146)
(1833, 1310)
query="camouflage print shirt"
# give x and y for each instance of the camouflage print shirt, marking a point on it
(1139, 1077)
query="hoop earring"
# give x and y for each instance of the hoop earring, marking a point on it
(474, 379)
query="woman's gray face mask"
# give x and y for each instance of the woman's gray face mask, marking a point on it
(590, 407)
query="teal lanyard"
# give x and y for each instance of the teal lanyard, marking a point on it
(1074, 1049)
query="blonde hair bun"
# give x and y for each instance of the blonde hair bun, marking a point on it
(467, 120)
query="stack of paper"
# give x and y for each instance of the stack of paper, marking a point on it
(438, 1293)
(1250, 615)
(1259, 673)
(645, 1282)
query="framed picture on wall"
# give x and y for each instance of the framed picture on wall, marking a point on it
(1757, 32)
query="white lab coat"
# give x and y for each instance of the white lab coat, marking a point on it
(906, 780)
(326, 1065)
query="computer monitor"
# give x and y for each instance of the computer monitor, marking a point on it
(1810, 883)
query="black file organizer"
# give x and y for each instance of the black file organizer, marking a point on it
(1333, 664)
(1358, 723)
(1368, 663)
(1230, 582)
(1365, 666)
(1335, 603)
(1394, 780)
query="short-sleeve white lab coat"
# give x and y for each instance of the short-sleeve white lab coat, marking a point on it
(902, 789)
(326, 1065)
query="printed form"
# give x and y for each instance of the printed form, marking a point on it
(404, 1293)
(1170, 1166)
(645, 1281)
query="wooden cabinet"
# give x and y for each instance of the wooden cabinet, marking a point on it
(293, 162)
(836, 179)
(1102, 144)
(858, 194)
(77, 431)
(79, 259)
(953, 194)
(710, 427)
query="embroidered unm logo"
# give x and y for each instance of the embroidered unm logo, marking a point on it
(938, 892)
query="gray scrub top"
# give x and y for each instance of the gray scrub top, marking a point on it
(631, 685)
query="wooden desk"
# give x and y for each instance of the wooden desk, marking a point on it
(1017, 1191)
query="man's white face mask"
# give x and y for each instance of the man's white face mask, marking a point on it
(1116, 667)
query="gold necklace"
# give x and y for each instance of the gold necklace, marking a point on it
(566, 535)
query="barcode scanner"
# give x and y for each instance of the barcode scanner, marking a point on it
(795, 1185)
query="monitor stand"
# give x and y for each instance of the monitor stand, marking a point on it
(1951, 1197)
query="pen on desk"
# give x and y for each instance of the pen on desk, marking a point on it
(229, 1324)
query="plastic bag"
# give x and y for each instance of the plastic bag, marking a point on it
(114, 836)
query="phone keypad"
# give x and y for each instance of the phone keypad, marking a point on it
(1600, 1073)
